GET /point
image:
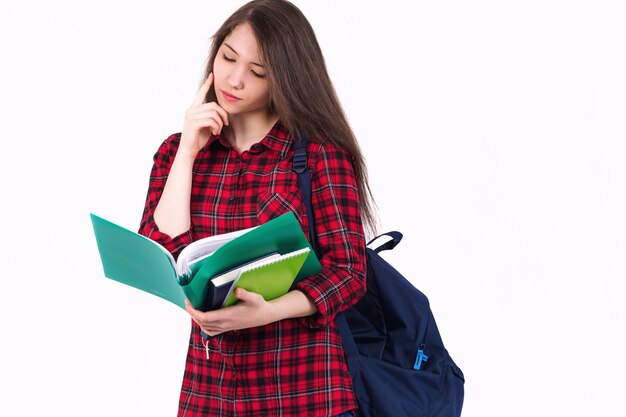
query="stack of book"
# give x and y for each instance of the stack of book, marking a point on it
(266, 259)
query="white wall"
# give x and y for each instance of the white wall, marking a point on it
(494, 133)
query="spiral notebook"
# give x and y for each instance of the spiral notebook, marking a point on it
(270, 278)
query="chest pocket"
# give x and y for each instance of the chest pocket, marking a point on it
(272, 205)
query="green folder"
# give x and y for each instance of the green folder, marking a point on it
(271, 279)
(135, 260)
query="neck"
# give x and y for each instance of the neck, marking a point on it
(245, 130)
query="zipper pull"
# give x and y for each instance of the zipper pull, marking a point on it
(420, 358)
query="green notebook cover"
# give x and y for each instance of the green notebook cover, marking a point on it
(282, 235)
(135, 260)
(140, 262)
(271, 279)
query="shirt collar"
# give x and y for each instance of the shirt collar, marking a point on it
(278, 139)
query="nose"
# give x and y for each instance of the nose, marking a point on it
(236, 77)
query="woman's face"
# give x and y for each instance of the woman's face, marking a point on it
(239, 76)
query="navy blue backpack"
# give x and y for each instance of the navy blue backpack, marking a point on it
(396, 358)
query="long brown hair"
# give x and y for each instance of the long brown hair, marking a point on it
(301, 92)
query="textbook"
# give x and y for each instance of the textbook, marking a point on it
(137, 261)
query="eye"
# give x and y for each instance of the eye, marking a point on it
(256, 74)
(228, 59)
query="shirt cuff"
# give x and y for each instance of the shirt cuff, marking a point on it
(173, 244)
(319, 318)
(326, 310)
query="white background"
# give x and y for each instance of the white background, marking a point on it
(494, 134)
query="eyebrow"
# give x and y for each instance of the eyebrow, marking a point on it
(233, 49)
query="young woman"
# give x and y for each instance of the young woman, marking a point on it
(231, 168)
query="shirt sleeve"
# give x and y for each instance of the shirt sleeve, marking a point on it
(340, 237)
(162, 163)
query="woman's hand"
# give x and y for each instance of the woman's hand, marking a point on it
(201, 120)
(251, 311)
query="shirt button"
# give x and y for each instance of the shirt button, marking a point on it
(232, 197)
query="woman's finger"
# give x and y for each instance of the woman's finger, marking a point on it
(248, 296)
(208, 114)
(215, 107)
(212, 122)
(201, 95)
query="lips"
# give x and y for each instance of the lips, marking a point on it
(230, 97)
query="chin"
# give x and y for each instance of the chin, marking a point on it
(230, 109)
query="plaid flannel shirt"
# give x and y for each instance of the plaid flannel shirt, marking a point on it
(294, 367)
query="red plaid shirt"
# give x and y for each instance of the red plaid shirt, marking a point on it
(294, 367)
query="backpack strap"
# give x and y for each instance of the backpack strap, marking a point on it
(301, 168)
(304, 181)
